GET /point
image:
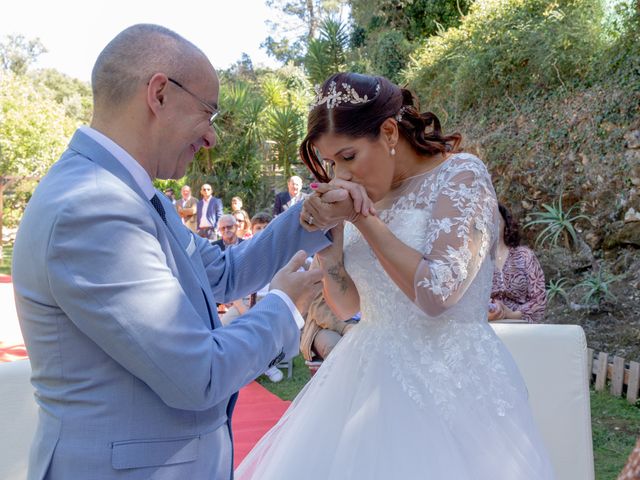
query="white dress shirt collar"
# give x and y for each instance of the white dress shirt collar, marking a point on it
(139, 174)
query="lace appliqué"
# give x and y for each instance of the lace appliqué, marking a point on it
(454, 357)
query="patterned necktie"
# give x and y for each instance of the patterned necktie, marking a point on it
(157, 204)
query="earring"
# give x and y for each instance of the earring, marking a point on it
(393, 151)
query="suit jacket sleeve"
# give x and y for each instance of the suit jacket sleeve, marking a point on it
(112, 278)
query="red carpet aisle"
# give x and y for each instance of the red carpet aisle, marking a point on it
(256, 412)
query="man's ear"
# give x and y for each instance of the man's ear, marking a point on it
(389, 132)
(156, 92)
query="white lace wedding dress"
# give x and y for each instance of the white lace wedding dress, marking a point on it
(417, 390)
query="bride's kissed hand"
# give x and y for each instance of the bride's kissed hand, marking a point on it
(334, 191)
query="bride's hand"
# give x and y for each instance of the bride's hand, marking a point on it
(333, 192)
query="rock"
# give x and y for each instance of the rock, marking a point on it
(631, 216)
(628, 234)
(632, 139)
(526, 205)
(593, 240)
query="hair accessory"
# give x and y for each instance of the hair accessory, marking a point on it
(334, 97)
(400, 113)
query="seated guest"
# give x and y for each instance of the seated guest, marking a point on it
(244, 224)
(228, 230)
(170, 194)
(209, 212)
(236, 204)
(322, 328)
(260, 221)
(518, 291)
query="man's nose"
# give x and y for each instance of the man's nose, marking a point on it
(209, 139)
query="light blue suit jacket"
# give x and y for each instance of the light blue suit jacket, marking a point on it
(131, 379)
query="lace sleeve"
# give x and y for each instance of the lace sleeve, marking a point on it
(460, 234)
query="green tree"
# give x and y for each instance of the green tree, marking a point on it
(73, 94)
(328, 53)
(296, 25)
(17, 53)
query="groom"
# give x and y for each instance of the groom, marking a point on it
(134, 376)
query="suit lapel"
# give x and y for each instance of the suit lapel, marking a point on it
(176, 240)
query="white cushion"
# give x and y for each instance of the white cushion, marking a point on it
(18, 417)
(553, 363)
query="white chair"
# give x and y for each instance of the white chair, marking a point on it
(18, 419)
(553, 363)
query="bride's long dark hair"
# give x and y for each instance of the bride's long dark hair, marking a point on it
(363, 118)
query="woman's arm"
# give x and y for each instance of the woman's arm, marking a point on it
(340, 292)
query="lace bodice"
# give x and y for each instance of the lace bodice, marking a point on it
(442, 338)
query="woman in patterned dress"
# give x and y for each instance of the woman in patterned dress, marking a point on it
(518, 291)
(421, 388)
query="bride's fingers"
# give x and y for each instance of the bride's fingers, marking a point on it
(361, 202)
(336, 195)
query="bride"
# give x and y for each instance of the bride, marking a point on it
(422, 388)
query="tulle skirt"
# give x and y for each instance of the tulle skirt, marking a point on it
(355, 420)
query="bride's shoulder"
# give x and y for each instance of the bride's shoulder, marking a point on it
(464, 161)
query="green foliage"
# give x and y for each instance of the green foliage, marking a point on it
(17, 53)
(73, 94)
(34, 130)
(557, 288)
(326, 55)
(596, 287)
(389, 54)
(558, 223)
(414, 19)
(285, 128)
(503, 47)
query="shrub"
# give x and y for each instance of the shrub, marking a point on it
(507, 46)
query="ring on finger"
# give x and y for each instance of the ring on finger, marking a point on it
(310, 219)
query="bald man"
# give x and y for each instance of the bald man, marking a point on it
(116, 299)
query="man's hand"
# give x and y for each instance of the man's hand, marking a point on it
(301, 286)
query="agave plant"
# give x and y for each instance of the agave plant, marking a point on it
(557, 288)
(558, 224)
(597, 287)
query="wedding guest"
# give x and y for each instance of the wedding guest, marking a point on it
(260, 221)
(187, 207)
(291, 196)
(208, 214)
(244, 224)
(134, 376)
(323, 329)
(518, 291)
(228, 231)
(236, 204)
(170, 194)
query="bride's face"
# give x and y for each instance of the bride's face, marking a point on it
(360, 160)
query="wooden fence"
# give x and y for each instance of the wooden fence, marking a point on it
(620, 374)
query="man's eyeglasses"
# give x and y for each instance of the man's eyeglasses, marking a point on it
(210, 108)
(227, 227)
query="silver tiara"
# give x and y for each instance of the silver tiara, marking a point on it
(334, 97)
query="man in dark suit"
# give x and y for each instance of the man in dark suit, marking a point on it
(289, 198)
(209, 212)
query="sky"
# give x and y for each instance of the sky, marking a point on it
(74, 32)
